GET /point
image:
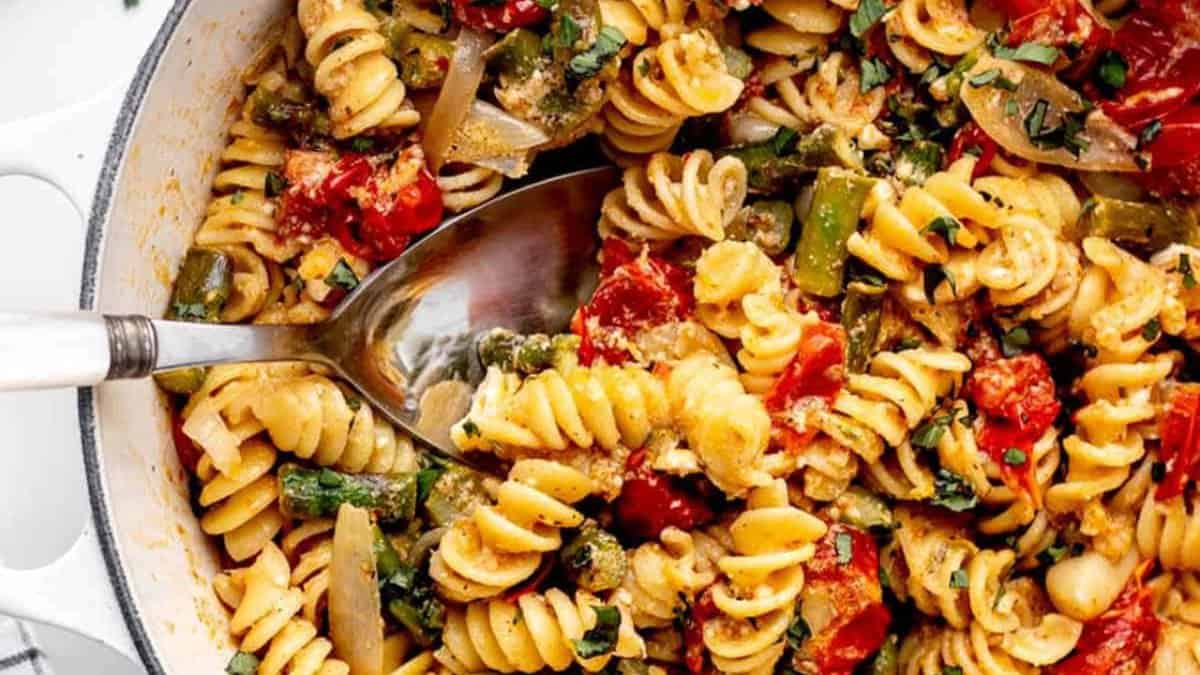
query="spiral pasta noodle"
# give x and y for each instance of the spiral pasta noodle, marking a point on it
(312, 418)
(941, 26)
(682, 77)
(1018, 508)
(726, 273)
(770, 338)
(352, 70)
(310, 549)
(675, 196)
(727, 428)
(265, 618)
(831, 95)
(604, 406)
(499, 546)
(251, 284)
(762, 577)
(241, 506)
(637, 18)
(1107, 443)
(465, 187)
(534, 633)
(931, 650)
(800, 27)
(663, 575)
(240, 211)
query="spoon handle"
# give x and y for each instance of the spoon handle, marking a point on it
(80, 349)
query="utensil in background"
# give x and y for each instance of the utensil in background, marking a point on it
(405, 338)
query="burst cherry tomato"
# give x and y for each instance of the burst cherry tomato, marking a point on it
(815, 370)
(354, 199)
(1120, 641)
(650, 502)
(1179, 431)
(1061, 23)
(1019, 402)
(643, 292)
(971, 135)
(501, 17)
(852, 589)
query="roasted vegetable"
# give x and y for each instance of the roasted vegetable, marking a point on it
(455, 492)
(527, 354)
(423, 59)
(594, 559)
(518, 54)
(917, 161)
(862, 311)
(821, 254)
(299, 117)
(864, 509)
(779, 167)
(183, 381)
(886, 660)
(767, 224)
(1144, 226)
(387, 558)
(410, 599)
(317, 493)
(202, 287)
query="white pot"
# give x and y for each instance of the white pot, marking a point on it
(139, 577)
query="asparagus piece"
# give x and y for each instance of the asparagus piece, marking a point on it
(455, 492)
(317, 493)
(775, 167)
(821, 254)
(862, 311)
(767, 224)
(526, 354)
(203, 286)
(184, 381)
(594, 559)
(918, 161)
(1145, 226)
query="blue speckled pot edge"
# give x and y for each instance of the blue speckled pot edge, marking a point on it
(88, 431)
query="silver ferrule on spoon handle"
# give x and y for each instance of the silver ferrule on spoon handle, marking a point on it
(80, 349)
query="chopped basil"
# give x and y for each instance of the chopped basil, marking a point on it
(586, 64)
(1015, 457)
(930, 433)
(1054, 553)
(1149, 133)
(934, 275)
(958, 578)
(547, 4)
(602, 638)
(952, 491)
(994, 77)
(644, 67)
(362, 144)
(1032, 52)
(869, 13)
(1185, 268)
(470, 429)
(1152, 330)
(1158, 471)
(1111, 71)
(342, 276)
(185, 311)
(1036, 119)
(568, 31)
(952, 670)
(1015, 341)
(274, 185)
(425, 480)
(908, 343)
(242, 663)
(237, 198)
(797, 632)
(875, 73)
(783, 140)
(844, 544)
(1011, 109)
(946, 226)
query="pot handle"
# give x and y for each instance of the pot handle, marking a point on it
(73, 592)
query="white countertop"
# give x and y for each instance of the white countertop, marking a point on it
(76, 56)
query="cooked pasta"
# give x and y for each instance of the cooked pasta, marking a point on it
(762, 577)
(892, 294)
(500, 546)
(675, 196)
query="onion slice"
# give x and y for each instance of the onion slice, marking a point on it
(494, 139)
(458, 91)
(1110, 147)
(355, 619)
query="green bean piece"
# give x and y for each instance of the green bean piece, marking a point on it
(317, 493)
(821, 254)
(862, 312)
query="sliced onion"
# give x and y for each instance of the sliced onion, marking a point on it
(490, 137)
(1114, 185)
(746, 127)
(355, 619)
(419, 553)
(208, 431)
(1110, 146)
(458, 90)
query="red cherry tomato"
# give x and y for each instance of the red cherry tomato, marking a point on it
(1019, 402)
(643, 292)
(701, 611)
(650, 502)
(1120, 641)
(852, 588)
(501, 17)
(971, 135)
(1179, 431)
(1061, 23)
(815, 370)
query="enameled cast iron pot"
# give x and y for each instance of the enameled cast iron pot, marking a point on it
(138, 579)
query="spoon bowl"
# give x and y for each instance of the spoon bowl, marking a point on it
(405, 338)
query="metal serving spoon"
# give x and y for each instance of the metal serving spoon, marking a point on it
(405, 338)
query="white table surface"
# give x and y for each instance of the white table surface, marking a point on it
(76, 56)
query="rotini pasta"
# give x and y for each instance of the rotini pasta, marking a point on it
(831, 95)
(941, 26)
(663, 576)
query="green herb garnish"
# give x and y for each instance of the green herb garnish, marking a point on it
(958, 579)
(342, 276)
(1015, 457)
(602, 638)
(875, 73)
(953, 492)
(588, 63)
(869, 13)
(946, 226)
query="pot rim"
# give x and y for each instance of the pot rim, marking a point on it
(114, 159)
